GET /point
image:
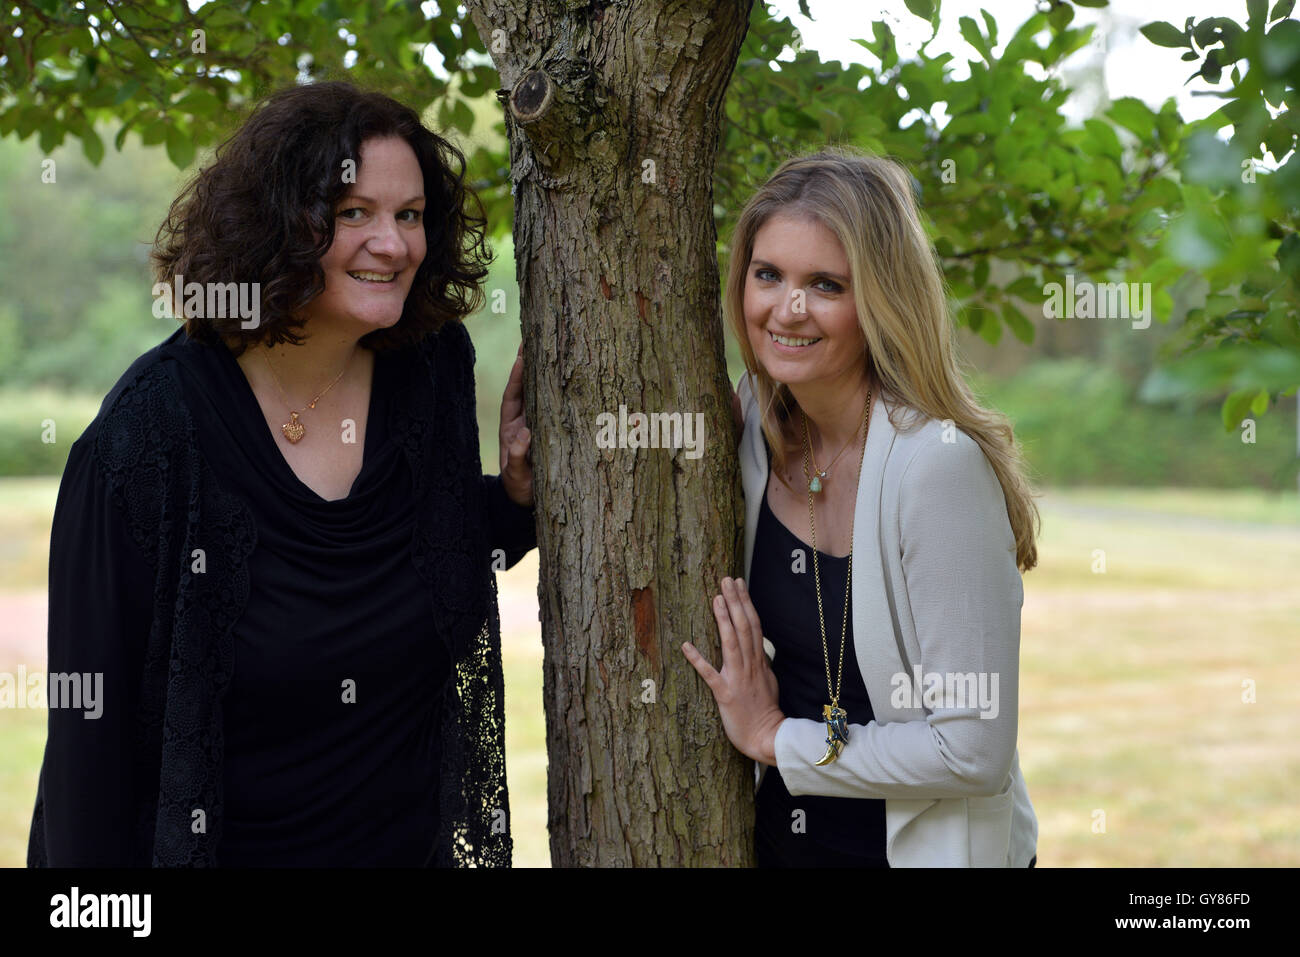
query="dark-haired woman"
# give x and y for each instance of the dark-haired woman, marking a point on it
(275, 542)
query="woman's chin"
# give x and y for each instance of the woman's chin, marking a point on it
(373, 323)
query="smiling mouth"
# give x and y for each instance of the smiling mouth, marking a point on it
(374, 278)
(792, 342)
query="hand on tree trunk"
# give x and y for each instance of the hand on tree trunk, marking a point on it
(516, 439)
(745, 689)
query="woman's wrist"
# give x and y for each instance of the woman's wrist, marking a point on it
(767, 741)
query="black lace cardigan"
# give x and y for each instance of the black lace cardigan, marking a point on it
(145, 446)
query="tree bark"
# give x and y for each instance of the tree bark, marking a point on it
(613, 115)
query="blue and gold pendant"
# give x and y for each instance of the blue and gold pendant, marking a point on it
(837, 731)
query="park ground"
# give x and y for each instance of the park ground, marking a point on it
(1158, 698)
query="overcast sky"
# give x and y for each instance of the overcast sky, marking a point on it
(1133, 65)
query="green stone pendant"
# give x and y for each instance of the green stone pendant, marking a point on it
(816, 484)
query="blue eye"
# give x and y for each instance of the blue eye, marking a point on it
(834, 287)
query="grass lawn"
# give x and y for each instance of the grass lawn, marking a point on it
(1137, 736)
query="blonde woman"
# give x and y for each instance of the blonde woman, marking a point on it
(887, 521)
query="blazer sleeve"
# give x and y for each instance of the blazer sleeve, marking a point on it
(965, 594)
(100, 612)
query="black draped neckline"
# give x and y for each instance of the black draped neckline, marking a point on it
(234, 436)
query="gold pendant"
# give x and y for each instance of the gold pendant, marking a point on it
(837, 732)
(293, 430)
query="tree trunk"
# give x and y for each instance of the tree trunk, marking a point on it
(613, 114)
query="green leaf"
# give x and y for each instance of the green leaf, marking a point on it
(970, 32)
(1280, 50)
(1198, 239)
(463, 117)
(1061, 16)
(990, 329)
(200, 103)
(126, 91)
(1017, 322)
(153, 131)
(1027, 288)
(1104, 138)
(1235, 406)
(1033, 175)
(1091, 3)
(180, 146)
(921, 8)
(992, 27)
(92, 145)
(1165, 34)
(52, 133)
(1282, 9)
(1279, 139)
(1288, 256)
(1212, 70)
(1134, 115)
(1260, 404)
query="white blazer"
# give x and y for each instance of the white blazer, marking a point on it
(935, 585)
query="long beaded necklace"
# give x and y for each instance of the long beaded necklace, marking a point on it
(837, 719)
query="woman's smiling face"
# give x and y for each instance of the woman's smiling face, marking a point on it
(379, 242)
(797, 289)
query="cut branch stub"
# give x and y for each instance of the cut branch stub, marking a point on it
(532, 97)
(544, 112)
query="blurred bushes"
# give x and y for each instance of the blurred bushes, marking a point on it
(25, 415)
(1080, 423)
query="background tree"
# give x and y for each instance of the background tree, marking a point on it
(1237, 228)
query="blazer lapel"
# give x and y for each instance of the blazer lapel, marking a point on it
(875, 639)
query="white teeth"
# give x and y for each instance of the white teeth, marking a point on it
(787, 341)
(374, 276)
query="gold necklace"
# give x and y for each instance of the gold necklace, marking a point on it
(293, 429)
(836, 718)
(819, 475)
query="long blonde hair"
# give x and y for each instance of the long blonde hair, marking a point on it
(898, 289)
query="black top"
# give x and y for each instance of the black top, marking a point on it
(331, 719)
(276, 661)
(832, 831)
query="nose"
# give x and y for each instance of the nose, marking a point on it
(386, 239)
(784, 308)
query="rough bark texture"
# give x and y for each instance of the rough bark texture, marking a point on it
(618, 279)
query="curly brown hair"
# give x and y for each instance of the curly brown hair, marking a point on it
(263, 211)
